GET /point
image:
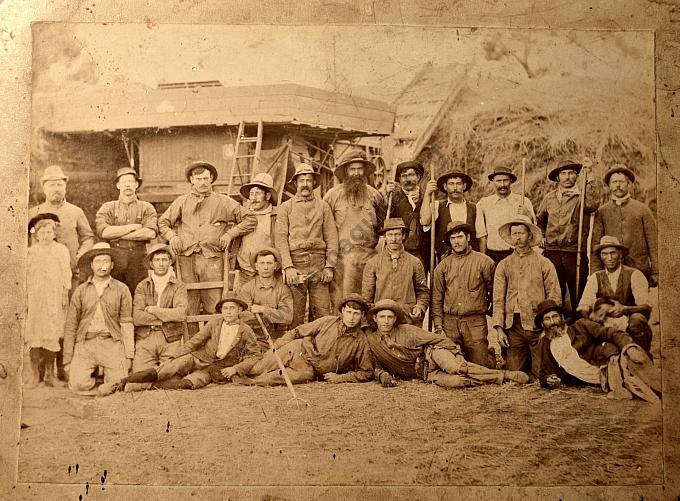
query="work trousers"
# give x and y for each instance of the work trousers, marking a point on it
(130, 266)
(198, 268)
(92, 353)
(310, 266)
(453, 371)
(523, 350)
(349, 272)
(150, 352)
(188, 367)
(266, 371)
(565, 265)
(640, 331)
(471, 333)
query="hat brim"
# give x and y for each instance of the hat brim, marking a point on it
(599, 247)
(341, 169)
(552, 175)
(510, 174)
(275, 252)
(467, 228)
(536, 233)
(317, 179)
(401, 316)
(86, 259)
(245, 191)
(384, 230)
(41, 217)
(418, 168)
(619, 170)
(441, 182)
(361, 301)
(191, 167)
(154, 250)
(239, 301)
(538, 320)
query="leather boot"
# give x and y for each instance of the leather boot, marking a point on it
(48, 364)
(34, 368)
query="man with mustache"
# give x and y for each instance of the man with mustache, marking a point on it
(631, 222)
(496, 210)
(128, 224)
(307, 238)
(358, 210)
(73, 230)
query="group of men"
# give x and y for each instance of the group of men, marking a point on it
(354, 261)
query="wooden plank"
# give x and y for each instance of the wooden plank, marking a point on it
(201, 318)
(205, 285)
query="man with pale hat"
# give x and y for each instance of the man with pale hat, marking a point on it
(522, 280)
(407, 199)
(558, 217)
(629, 220)
(409, 352)
(159, 310)
(307, 238)
(261, 200)
(497, 209)
(197, 227)
(128, 224)
(626, 286)
(461, 295)
(99, 330)
(453, 208)
(358, 210)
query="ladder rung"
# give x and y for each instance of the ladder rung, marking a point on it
(245, 156)
(247, 139)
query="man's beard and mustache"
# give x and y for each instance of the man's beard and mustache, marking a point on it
(556, 330)
(355, 187)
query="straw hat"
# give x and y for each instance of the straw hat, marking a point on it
(536, 233)
(261, 180)
(53, 173)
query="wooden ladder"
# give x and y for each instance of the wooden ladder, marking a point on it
(252, 158)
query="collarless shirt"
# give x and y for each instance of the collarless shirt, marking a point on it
(494, 212)
(121, 212)
(228, 334)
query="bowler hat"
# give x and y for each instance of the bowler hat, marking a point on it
(394, 223)
(350, 155)
(411, 164)
(266, 251)
(536, 234)
(53, 173)
(305, 169)
(441, 182)
(128, 170)
(609, 241)
(456, 226)
(356, 298)
(41, 217)
(502, 170)
(231, 297)
(619, 168)
(387, 304)
(154, 248)
(262, 180)
(98, 249)
(564, 165)
(544, 307)
(206, 165)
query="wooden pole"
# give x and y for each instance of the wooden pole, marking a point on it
(524, 179)
(432, 246)
(581, 211)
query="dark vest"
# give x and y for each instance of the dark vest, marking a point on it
(624, 292)
(443, 221)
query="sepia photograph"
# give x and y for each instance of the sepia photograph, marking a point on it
(274, 255)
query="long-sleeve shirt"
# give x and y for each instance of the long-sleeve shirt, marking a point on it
(334, 348)
(277, 300)
(171, 313)
(521, 282)
(357, 221)
(115, 305)
(634, 225)
(462, 285)
(119, 213)
(307, 225)
(558, 217)
(73, 229)
(201, 221)
(494, 212)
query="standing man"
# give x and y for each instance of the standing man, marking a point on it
(454, 208)
(558, 217)
(461, 295)
(99, 330)
(496, 210)
(159, 311)
(626, 286)
(307, 237)
(358, 210)
(631, 222)
(262, 198)
(396, 274)
(522, 281)
(406, 202)
(195, 224)
(73, 231)
(128, 224)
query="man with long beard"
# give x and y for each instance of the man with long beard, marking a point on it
(358, 210)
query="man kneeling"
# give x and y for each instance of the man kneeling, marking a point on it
(224, 347)
(410, 352)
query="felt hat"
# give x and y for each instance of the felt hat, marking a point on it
(456, 226)
(41, 217)
(261, 180)
(357, 298)
(53, 173)
(411, 164)
(387, 304)
(502, 170)
(154, 248)
(350, 155)
(393, 223)
(564, 165)
(266, 250)
(536, 233)
(98, 249)
(441, 182)
(206, 165)
(305, 169)
(230, 297)
(619, 168)
(609, 241)
(545, 307)
(128, 170)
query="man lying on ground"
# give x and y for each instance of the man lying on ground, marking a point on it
(410, 352)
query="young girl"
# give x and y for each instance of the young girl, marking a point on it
(47, 283)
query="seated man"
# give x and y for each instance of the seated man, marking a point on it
(267, 295)
(627, 286)
(333, 347)
(589, 353)
(410, 352)
(225, 339)
(159, 312)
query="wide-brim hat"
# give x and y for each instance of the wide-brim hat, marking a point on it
(41, 217)
(545, 307)
(305, 169)
(411, 164)
(536, 233)
(357, 298)
(266, 250)
(230, 297)
(262, 180)
(619, 168)
(609, 241)
(98, 249)
(441, 182)
(387, 304)
(154, 248)
(206, 165)
(53, 173)
(502, 170)
(128, 170)
(564, 165)
(393, 223)
(456, 226)
(350, 155)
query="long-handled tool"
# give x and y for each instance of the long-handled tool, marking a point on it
(586, 163)
(432, 245)
(524, 180)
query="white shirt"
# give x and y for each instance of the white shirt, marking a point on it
(458, 212)
(638, 284)
(494, 212)
(568, 358)
(160, 283)
(227, 338)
